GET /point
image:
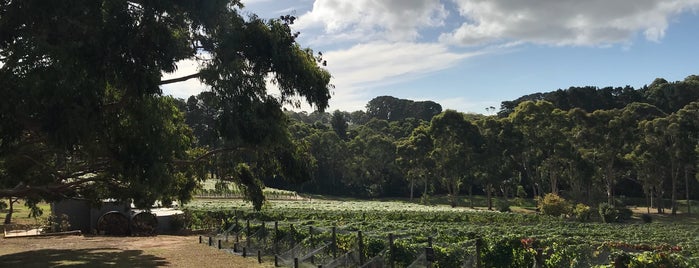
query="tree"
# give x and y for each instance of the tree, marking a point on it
(83, 114)
(339, 124)
(394, 109)
(457, 143)
(413, 156)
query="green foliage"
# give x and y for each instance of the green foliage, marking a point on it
(57, 223)
(83, 113)
(503, 205)
(582, 212)
(509, 238)
(610, 213)
(553, 205)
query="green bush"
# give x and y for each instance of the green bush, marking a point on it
(503, 205)
(610, 213)
(58, 223)
(646, 218)
(553, 205)
(582, 212)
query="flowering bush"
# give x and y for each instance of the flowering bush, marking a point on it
(553, 205)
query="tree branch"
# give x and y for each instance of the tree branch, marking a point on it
(179, 79)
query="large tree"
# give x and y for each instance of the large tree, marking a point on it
(82, 109)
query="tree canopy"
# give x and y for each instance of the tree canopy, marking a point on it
(83, 113)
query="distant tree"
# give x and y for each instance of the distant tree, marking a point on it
(339, 124)
(394, 109)
(457, 144)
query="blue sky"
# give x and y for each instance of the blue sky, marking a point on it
(471, 54)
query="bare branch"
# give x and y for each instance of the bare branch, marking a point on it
(179, 79)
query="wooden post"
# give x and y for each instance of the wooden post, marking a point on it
(391, 252)
(211, 241)
(219, 244)
(310, 234)
(276, 261)
(247, 234)
(276, 237)
(245, 252)
(200, 239)
(259, 256)
(296, 262)
(479, 244)
(264, 234)
(292, 230)
(361, 247)
(429, 257)
(334, 248)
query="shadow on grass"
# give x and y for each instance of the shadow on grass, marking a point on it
(94, 257)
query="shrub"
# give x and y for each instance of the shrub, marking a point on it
(582, 212)
(503, 205)
(58, 223)
(610, 213)
(646, 218)
(553, 205)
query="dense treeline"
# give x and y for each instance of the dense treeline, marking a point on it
(587, 144)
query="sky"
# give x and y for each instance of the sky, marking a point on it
(468, 55)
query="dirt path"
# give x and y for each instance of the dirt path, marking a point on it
(98, 251)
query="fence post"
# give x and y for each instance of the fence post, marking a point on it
(245, 252)
(219, 244)
(264, 234)
(334, 242)
(247, 234)
(479, 244)
(361, 247)
(390, 250)
(211, 241)
(200, 239)
(276, 236)
(259, 256)
(429, 256)
(310, 235)
(292, 231)
(296, 262)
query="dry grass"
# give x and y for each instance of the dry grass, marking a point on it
(97, 251)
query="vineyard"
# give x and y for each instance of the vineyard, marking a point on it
(328, 232)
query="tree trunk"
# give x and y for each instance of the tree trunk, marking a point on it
(489, 196)
(686, 190)
(412, 186)
(470, 195)
(8, 217)
(610, 188)
(673, 195)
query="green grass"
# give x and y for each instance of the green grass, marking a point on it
(21, 218)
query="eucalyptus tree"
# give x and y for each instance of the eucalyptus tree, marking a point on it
(457, 145)
(83, 112)
(413, 157)
(544, 144)
(604, 137)
(495, 167)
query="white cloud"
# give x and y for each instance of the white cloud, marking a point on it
(186, 88)
(365, 66)
(563, 22)
(391, 20)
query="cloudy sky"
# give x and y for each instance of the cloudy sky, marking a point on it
(471, 54)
